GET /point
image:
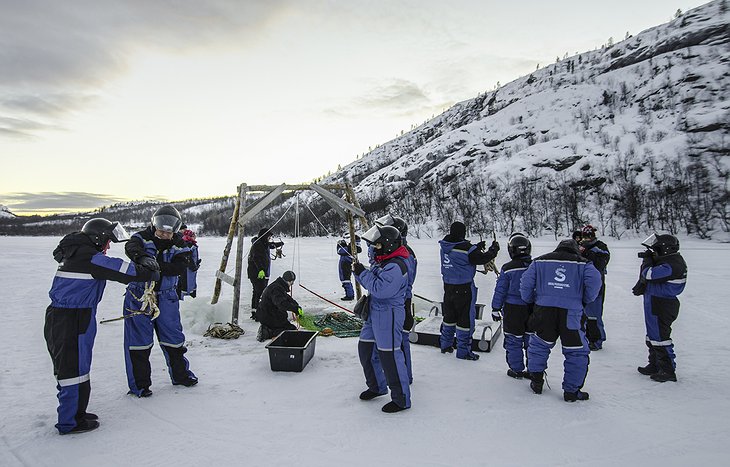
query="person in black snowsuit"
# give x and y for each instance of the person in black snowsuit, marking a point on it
(259, 265)
(596, 252)
(70, 325)
(274, 307)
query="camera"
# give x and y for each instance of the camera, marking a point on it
(645, 254)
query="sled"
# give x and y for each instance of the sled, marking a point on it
(428, 331)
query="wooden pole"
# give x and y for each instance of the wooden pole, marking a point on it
(227, 249)
(239, 254)
(350, 196)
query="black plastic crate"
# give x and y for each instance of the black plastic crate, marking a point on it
(291, 350)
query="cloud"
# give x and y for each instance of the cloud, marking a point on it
(51, 202)
(396, 97)
(49, 46)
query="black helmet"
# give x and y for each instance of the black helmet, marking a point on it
(289, 276)
(518, 245)
(662, 244)
(387, 236)
(100, 231)
(401, 225)
(167, 219)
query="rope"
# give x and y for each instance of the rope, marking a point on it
(245, 253)
(317, 219)
(149, 304)
(328, 301)
(224, 331)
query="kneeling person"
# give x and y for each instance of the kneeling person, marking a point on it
(275, 303)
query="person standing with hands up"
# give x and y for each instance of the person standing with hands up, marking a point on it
(459, 260)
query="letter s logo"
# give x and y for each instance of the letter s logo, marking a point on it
(560, 274)
(447, 260)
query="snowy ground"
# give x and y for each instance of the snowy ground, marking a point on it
(464, 413)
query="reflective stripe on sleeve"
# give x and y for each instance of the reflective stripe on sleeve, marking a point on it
(74, 275)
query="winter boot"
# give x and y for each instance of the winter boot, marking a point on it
(470, 356)
(90, 416)
(392, 407)
(347, 299)
(537, 381)
(368, 395)
(517, 374)
(575, 396)
(648, 370)
(664, 376)
(188, 381)
(83, 426)
(449, 349)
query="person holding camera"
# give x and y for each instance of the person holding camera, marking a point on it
(459, 260)
(387, 283)
(662, 278)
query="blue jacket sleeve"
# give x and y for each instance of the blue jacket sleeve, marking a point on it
(657, 273)
(527, 284)
(500, 290)
(119, 270)
(382, 283)
(591, 283)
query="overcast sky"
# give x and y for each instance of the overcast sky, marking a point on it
(102, 101)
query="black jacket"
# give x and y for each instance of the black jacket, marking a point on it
(259, 258)
(274, 304)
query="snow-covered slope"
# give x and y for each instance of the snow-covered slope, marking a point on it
(620, 128)
(5, 212)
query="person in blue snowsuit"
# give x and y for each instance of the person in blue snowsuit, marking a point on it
(507, 304)
(459, 260)
(344, 266)
(597, 253)
(560, 284)
(662, 278)
(159, 246)
(412, 266)
(386, 283)
(70, 324)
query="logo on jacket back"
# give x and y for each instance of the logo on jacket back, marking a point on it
(446, 263)
(560, 279)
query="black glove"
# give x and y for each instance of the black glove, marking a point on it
(149, 263)
(358, 268)
(481, 245)
(495, 245)
(496, 315)
(639, 288)
(648, 261)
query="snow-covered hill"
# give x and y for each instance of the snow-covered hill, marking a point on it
(634, 135)
(5, 213)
